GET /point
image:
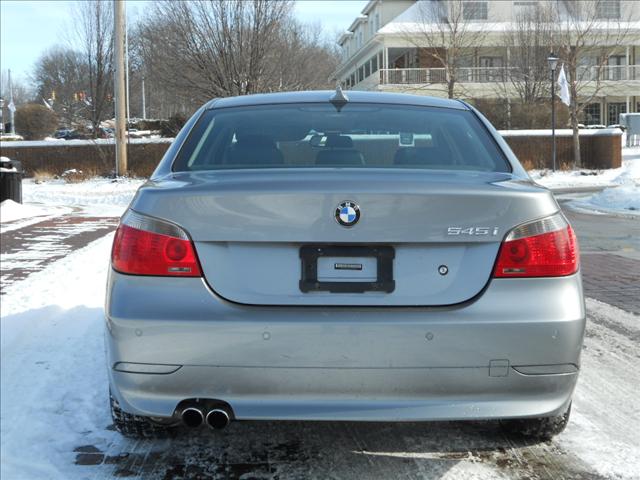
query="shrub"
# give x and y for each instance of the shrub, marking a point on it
(519, 115)
(34, 122)
(171, 127)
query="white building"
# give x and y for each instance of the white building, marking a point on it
(385, 49)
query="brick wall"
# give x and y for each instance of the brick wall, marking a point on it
(598, 148)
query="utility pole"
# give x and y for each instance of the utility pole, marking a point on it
(126, 70)
(120, 94)
(144, 102)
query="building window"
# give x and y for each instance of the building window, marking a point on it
(376, 22)
(613, 112)
(524, 7)
(606, 9)
(367, 69)
(474, 10)
(374, 64)
(360, 74)
(352, 79)
(591, 114)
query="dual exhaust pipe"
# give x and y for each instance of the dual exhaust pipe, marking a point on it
(216, 418)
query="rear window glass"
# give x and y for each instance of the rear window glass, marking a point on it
(357, 136)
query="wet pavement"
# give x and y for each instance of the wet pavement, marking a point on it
(31, 248)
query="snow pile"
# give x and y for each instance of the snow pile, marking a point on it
(621, 186)
(623, 198)
(629, 172)
(11, 211)
(98, 197)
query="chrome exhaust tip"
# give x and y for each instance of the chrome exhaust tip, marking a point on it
(192, 417)
(217, 419)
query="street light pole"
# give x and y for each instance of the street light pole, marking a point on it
(553, 63)
(1, 115)
(12, 108)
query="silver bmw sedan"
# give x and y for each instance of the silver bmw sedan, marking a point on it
(331, 256)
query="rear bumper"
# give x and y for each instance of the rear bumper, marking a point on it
(514, 352)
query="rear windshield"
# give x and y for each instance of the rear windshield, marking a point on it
(356, 136)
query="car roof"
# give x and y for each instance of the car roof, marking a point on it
(320, 96)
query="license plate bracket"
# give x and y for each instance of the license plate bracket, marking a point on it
(384, 255)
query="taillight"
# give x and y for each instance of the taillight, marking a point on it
(543, 248)
(148, 246)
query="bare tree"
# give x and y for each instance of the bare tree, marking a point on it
(585, 42)
(529, 43)
(94, 37)
(60, 77)
(446, 39)
(219, 48)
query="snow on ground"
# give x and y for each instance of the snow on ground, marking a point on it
(98, 197)
(621, 192)
(53, 400)
(53, 383)
(628, 172)
(97, 141)
(11, 211)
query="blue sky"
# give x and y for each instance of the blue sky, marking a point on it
(27, 28)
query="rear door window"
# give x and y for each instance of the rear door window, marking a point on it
(357, 136)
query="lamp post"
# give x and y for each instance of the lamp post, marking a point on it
(553, 63)
(1, 117)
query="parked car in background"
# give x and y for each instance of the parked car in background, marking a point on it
(308, 256)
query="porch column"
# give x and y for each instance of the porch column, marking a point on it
(628, 104)
(386, 57)
(628, 72)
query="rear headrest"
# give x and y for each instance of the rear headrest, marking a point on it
(339, 158)
(338, 141)
(421, 156)
(254, 141)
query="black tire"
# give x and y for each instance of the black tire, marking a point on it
(135, 426)
(543, 428)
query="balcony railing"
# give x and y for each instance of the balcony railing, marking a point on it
(416, 76)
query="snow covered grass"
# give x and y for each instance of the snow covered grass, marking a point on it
(11, 211)
(629, 172)
(621, 193)
(97, 197)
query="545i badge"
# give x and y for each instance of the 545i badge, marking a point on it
(472, 231)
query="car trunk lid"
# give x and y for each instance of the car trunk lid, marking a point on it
(251, 230)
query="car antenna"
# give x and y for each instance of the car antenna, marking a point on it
(339, 99)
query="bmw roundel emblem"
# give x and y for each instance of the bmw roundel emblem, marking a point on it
(347, 214)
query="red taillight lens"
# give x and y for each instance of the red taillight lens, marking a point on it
(549, 254)
(138, 251)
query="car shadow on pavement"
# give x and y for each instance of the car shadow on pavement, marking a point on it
(280, 450)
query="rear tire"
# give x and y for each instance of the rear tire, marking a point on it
(543, 428)
(136, 426)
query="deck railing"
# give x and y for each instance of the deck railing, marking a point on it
(417, 76)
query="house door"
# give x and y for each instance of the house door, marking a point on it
(613, 112)
(490, 69)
